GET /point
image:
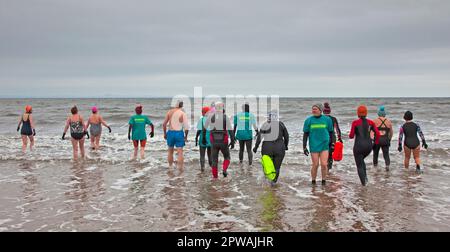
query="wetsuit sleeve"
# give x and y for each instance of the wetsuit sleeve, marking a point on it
(258, 140)
(419, 130)
(338, 130)
(352, 131)
(197, 135)
(305, 139)
(377, 132)
(285, 134)
(400, 136)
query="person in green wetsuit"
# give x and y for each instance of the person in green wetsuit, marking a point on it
(136, 130)
(205, 142)
(319, 130)
(243, 123)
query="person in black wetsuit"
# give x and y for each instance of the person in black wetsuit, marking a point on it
(275, 139)
(221, 137)
(337, 131)
(27, 131)
(412, 144)
(360, 130)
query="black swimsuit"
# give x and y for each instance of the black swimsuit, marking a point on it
(26, 127)
(76, 130)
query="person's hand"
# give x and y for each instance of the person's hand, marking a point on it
(255, 149)
(129, 137)
(286, 147)
(389, 143)
(34, 132)
(424, 144)
(87, 134)
(185, 139)
(232, 145)
(152, 134)
(165, 136)
(18, 128)
(306, 151)
(196, 142)
(109, 128)
(400, 148)
(64, 135)
(340, 140)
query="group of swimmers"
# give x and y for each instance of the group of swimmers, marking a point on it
(215, 135)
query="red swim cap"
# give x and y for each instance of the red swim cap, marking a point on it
(138, 109)
(362, 111)
(205, 110)
(28, 109)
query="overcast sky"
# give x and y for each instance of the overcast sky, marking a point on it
(104, 48)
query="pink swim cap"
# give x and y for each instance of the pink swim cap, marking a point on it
(94, 109)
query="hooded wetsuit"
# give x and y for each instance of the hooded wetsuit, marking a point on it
(275, 141)
(220, 134)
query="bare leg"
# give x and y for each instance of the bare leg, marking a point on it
(75, 149)
(324, 164)
(93, 142)
(31, 142)
(315, 165)
(142, 152)
(416, 155)
(170, 156)
(97, 142)
(135, 153)
(180, 160)
(81, 142)
(24, 143)
(407, 157)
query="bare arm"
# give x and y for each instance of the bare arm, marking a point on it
(103, 122)
(67, 125)
(30, 117)
(166, 120)
(20, 123)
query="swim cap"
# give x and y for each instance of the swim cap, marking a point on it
(319, 106)
(138, 109)
(408, 116)
(205, 110)
(362, 111)
(326, 108)
(219, 106)
(28, 109)
(94, 109)
(179, 104)
(381, 111)
(272, 115)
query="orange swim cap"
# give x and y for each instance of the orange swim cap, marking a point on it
(28, 109)
(362, 111)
